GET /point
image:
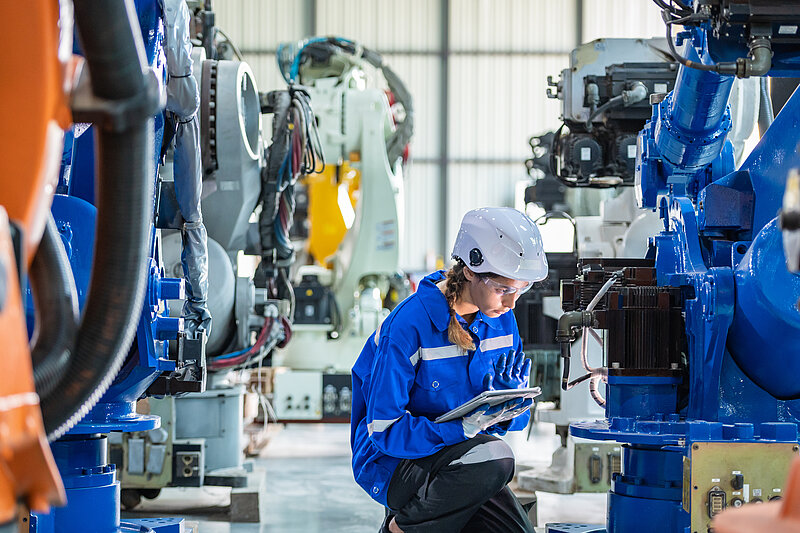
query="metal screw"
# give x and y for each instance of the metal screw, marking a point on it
(695, 447)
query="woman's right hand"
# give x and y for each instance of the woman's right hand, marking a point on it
(486, 415)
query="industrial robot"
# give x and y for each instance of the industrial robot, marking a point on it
(354, 223)
(591, 158)
(697, 380)
(202, 430)
(96, 308)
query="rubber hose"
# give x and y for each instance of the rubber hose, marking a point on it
(765, 113)
(125, 194)
(57, 312)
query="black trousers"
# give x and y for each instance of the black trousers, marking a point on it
(461, 488)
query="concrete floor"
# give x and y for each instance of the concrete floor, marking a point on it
(310, 488)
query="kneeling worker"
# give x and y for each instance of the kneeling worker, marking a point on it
(452, 339)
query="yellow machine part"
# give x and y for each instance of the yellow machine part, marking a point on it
(332, 198)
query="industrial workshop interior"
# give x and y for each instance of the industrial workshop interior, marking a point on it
(357, 266)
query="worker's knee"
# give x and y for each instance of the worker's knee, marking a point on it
(491, 464)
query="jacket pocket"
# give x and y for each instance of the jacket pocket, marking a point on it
(442, 375)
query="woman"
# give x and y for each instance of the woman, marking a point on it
(452, 339)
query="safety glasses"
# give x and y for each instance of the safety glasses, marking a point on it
(502, 289)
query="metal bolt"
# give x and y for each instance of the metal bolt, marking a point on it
(695, 447)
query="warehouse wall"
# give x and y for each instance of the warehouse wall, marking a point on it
(482, 88)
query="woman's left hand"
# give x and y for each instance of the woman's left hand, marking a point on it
(510, 372)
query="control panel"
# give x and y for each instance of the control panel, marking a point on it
(297, 395)
(717, 475)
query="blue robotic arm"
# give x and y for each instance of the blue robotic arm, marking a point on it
(718, 267)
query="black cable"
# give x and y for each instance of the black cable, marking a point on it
(565, 374)
(613, 102)
(579, 380)
(682, 60)
(685, 11)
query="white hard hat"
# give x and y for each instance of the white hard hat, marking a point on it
(502, 241)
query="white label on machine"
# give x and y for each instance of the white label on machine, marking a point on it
(776, 490)
(746, 492)
(756, 492)
(737, 493)
(714, 480)
(660, 87)
(586, 154)
(736, 472)
(386, 235)
(787, 30)
(631, 151)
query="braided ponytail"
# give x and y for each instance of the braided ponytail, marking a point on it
(456, 282)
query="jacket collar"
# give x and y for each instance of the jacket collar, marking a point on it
(433, 300)
(436, 305)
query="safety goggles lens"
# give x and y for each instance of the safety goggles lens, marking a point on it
(503, 290)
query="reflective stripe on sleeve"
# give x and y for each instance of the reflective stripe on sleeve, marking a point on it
(442, 352)
(378, 332)
(495, 343)
(380, 426)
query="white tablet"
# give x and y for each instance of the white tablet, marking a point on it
(492, 397)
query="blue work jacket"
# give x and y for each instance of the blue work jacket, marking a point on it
(409, 373)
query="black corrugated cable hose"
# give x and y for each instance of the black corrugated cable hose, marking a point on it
(124, 157)
(57, 313)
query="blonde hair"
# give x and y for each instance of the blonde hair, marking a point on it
(456, 283)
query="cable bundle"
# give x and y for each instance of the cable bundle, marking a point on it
(295, 151)
(275, 332)
(319, 49)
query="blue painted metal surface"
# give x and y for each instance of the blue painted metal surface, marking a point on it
(722, 247)
(89, 482)
(640, 396)
(766, 320)
(75, 219)
(685, 135)
(651, 485)
(692, 121)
